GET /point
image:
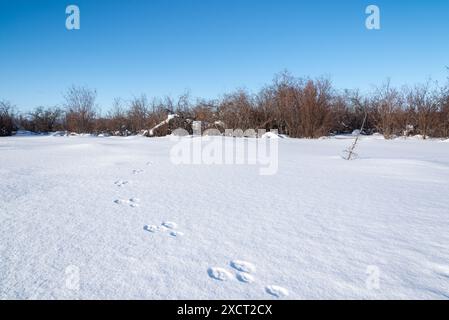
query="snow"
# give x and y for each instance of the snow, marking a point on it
(92, 218)
(270, 134)
(417, 137)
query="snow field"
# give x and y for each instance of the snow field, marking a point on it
(133, 225)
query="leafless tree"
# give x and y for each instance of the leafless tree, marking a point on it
(315, 108)
(6, 118)
(298, 107)
(118, 123)
(45, 119)
(80, 109)
(287, 93)
(138, 114)
(301, 107)
(386, 103)
(236, 110)
(443, 119)
(423, 101)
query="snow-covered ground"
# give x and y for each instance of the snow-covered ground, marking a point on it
(85, 217)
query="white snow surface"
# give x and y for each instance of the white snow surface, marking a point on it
(269, 135)
(315, 230)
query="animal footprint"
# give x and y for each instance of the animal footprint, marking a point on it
(169, 225)
(243, 266)
(149, 163)
(151, 228)
(277, 291)
(133, 202)
(121, 183)
(165, 226)
(176, 233)
(245, 277)
(219, 274)
(137, 171)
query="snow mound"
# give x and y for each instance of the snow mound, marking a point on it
(270, 135)
(378, 136)
(418, 137)
(59, 134)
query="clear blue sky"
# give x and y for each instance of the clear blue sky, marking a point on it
(209, 47)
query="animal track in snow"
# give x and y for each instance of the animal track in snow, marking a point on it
(137, 171)
(149, 163)
(165, 226)
(243, 266)
(121, 183)
(219, 274)
(176, 233)
(151, 228)
(133, 202)
(277, 291)
(169, 224)
(245, 277)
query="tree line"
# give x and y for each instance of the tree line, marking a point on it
(297, 107)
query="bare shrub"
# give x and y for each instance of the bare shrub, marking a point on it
(443, 114)
(118, 122)
(44, 120)
(6, 119)
(236, 110)
(80, 109)
(298, 107)
(315, 109)
(138, 114)
(423, 101)
(385, 105)
(302, 107)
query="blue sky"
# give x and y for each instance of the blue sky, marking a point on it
(209, 47)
